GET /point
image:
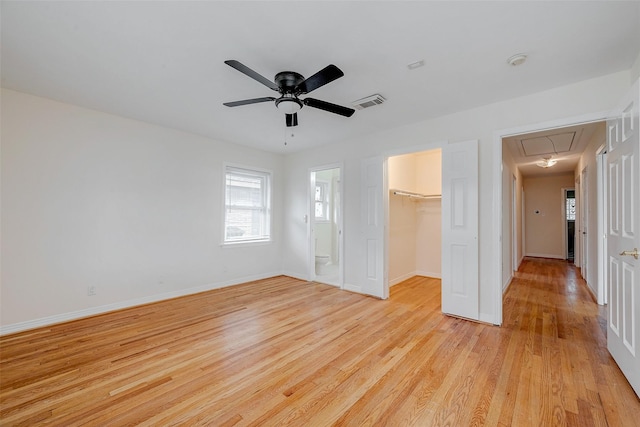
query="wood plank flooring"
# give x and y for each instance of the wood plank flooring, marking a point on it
(282, 352)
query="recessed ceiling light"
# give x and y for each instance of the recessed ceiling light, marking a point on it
(416, 64)
(517, 59)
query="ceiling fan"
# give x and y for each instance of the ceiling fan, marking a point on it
(290, 85)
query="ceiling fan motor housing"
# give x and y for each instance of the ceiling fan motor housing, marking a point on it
(287, 81)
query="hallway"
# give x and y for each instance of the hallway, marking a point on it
(563, 366)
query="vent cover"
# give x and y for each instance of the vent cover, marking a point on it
(369, 101)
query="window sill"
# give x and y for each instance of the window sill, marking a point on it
(245, 243)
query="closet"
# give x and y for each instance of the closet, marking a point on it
(415, 218)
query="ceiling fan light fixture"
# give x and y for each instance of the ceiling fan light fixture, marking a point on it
(546, 162)
(288, 104)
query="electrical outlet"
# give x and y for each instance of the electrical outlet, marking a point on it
(91, 291)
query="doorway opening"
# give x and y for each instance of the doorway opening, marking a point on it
(325, 221)
(570, 223)
(414, 216)
(523, 160)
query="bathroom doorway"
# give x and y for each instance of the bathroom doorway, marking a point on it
(325, 225)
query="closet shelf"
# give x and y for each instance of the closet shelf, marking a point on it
(416, 195)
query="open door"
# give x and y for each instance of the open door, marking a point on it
(623, 236)
(460, 229)
(372, 228)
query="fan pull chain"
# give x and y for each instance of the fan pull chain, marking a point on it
(285, 137)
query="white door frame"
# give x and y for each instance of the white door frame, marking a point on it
(602, 288)
(565, 222)
(311, 223)
(392, 153)
(514, 225)
(584, 219)
(577, 235)
(496, 244)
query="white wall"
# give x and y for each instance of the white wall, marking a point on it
(635, 70)
(512, 248)
(429, 241)
(588, 160)
(91, 199)
(402, 238)
(588, 97)
(429, 172)
(135, 209)
(545, 220)
(402, 173)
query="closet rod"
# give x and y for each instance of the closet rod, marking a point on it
(416, 195)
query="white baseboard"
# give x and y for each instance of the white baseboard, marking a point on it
(428, 274)
(295, 275)
(92, 311)
(553, 256)
(592, 292)
(399, 279)
(506, 285)
(395, 281)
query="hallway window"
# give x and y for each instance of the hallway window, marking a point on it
(247, 205)
(571, 205)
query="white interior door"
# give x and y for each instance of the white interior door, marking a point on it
(372, 228)
(460, 229)
(623, 236)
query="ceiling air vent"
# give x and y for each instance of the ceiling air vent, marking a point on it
(369, 101)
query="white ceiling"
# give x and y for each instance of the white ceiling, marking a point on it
(162, 62)
(565, 145)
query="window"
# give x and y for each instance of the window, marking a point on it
(571, 205)
(247, 205)
(322, 201)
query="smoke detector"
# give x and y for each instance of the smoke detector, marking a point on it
(369, 101)
(517, 59)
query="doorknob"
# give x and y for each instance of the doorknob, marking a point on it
(634, 253)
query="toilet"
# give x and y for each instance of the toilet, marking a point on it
(321, 262)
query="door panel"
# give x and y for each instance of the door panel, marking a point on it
(460, 229)
(623, 332)
(372, 188)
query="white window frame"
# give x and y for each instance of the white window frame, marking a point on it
(267, 177)
(326, 202)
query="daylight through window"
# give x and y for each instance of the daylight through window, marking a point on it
(571, 209)
(322, 201)
(247, 205)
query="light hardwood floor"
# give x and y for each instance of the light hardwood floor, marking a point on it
(285, 352)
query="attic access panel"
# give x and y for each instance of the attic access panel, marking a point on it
(549, 144)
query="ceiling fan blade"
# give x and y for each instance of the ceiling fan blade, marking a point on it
(291, 119)
(249, 72)
(249, 101)
(321, 78)
(327, 106)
